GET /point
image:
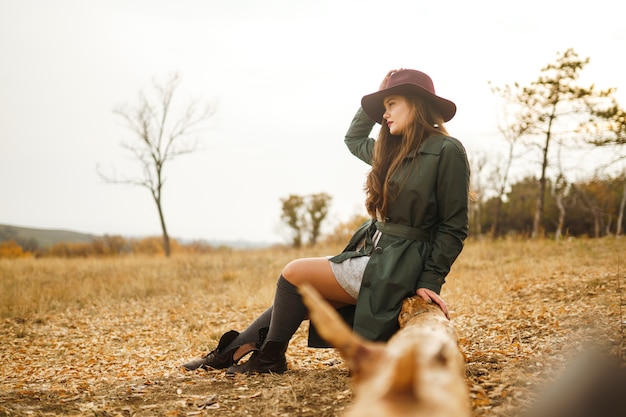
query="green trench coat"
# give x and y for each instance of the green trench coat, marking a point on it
(421, 237)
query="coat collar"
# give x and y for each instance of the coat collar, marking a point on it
(431, 145)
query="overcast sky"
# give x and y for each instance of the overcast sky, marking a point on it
(285, 76)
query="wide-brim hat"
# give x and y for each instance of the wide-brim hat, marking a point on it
(411, 83)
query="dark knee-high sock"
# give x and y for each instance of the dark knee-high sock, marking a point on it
(288, 312)
(251, 334)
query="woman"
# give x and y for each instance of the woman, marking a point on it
(417, 196)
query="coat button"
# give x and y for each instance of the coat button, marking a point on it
(366, 283)
(378, 249)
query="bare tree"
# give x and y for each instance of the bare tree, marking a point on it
(622, 206)
(514, 124)
(478, 164)
(559, 191)
(554, 97)
(158, 139)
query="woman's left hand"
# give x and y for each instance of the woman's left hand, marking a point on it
(431, 296)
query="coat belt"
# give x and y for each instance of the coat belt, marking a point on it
(406, 232)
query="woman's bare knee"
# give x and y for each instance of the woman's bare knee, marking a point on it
(318, 273)
(291, 271)
(304, 270)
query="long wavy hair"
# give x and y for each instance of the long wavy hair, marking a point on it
(391, 150)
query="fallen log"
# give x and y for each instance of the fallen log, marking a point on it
(418, 372)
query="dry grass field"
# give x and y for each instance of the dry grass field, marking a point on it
(105, 337)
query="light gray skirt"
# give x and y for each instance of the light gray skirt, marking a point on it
(349, 274)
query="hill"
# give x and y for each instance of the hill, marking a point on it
(41, 238)
(31, 238)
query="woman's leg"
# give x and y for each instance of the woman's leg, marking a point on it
(315, 271)
(318, 273)
(288, 311)
(234, 345)
(254, 332)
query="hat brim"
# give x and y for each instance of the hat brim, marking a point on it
(374, 107)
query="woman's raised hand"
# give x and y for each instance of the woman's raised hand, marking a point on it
(383, 85)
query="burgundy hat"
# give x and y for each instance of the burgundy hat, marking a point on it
(407, 82)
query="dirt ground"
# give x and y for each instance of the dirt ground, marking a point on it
(115, 366)
(519, 328)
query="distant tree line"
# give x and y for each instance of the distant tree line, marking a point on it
(591, 208)
(106, 246)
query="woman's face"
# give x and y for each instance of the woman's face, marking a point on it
(397, 114)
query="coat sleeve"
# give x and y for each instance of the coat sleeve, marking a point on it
(357, 138)
(452, 195)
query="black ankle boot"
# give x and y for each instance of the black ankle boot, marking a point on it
(217, 358)
(271, 359)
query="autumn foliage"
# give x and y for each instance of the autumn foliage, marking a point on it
(11, 250)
